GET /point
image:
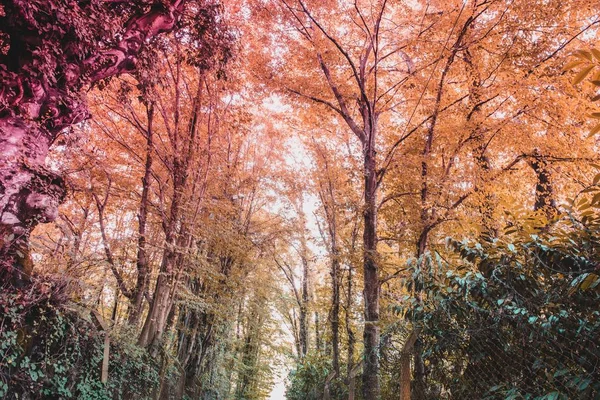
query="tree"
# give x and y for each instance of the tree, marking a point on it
(334, 57)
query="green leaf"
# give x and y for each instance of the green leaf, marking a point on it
(584, 384)
(582, 74)
(552, 396)
(561, 372)
(494, 388)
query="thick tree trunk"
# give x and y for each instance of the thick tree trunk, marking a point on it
(162, 300)
(371, 389)
(544, 191)
(142, 257)
(29, 193)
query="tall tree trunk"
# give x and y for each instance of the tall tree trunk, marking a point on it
(371, 336)
(250, 356)
(303, 313)
(142, 257)
(183, 147)
(328, 200)
(351, 340)
(348, 321)
(156, 319)
(164, 292)
(318, 341)
(335, 310)
(305, 291)
(418, 386)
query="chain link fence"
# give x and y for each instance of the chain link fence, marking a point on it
(510, 321)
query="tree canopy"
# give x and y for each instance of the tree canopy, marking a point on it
(217, 199)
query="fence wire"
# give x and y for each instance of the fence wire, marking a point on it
(517, 327)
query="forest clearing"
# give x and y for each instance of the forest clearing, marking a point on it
(300, 199)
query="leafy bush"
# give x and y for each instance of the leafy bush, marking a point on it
(47, 351)
(307, 380)
(516, 317)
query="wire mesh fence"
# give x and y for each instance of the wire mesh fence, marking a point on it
(521, 322)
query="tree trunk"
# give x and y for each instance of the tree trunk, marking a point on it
(544, 192)
(418, 387)
(29, 194)
(335, 305)
(183, 148)
(318, 341)
(305, 291)
(303, 314)
(371, 389)
(142, 257)
(351, 340)
(162, 300)
(348, 320)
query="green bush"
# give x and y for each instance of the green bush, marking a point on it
(307, 380)
(47, 351)
(515, 317)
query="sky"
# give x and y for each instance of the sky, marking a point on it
(278, 392)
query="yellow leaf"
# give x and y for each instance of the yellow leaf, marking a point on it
(588, 281)
(596, 54)
(594, 131)
(572, 65)
(582, 74)
(584, 55)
